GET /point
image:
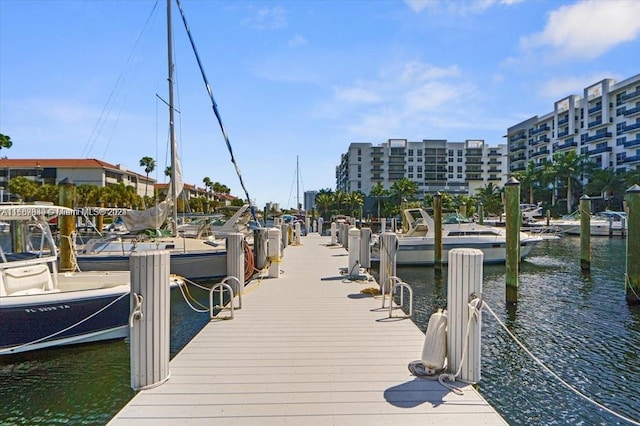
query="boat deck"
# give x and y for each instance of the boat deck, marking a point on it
(307, 348)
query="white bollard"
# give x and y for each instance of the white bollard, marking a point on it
(465, 279)
(297, 232)
(235, 262)
(320, 223)
(307, 225)
(354, 254)
(365, 248)
(150, 318)
(274, 252)
(333, 234)
(284, 235)
(388, 250)
(315, 226)
(383, 225)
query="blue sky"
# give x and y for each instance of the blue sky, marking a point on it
(83, 79)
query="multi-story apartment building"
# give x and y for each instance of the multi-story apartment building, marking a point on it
(603, 124)
(310, 200)
(434, 165)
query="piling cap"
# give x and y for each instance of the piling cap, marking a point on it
(634, 188)
(512, 181)
(585, 197)
(66, 181)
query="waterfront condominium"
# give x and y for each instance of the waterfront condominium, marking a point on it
(434, 165)
(603, 125)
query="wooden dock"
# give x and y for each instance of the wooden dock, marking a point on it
(307, 348)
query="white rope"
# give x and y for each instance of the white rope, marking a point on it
(474, 313)
(136, 313)
(186, 298)
(64, 329)
(548, 370)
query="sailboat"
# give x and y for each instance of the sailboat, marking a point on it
(192, 258)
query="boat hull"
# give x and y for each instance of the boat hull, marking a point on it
(193, 266)
(39, 321)
(422, 251)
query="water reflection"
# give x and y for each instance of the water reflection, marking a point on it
(578, 324)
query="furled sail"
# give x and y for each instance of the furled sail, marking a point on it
(155, 217)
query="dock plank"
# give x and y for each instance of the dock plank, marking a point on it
(307, 348)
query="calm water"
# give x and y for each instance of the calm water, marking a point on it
(579, 325)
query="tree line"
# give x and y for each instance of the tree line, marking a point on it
(557, 184)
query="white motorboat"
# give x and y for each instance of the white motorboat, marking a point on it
(41, 307)
(416, 246)
(604, 223)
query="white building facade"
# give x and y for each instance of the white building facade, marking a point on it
(603, 124)
(434, 165)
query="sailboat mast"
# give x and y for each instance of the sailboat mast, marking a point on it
(297, 185)
(172, 134)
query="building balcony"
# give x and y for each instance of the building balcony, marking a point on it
(518, 168)
(594, 123)
(377, 161)
(540, 129)
(596, 137)
(631, 95)
(631, 143)
(473, 161)
(633, 159)
(632, 111)
(519, 157)
(599, 150)
(594, 109)
(517, 138)
(629, 128)
(377, 169)
(561, 146)
(495, 154)
(563, 134)
(544, 151)
(563, 121)
(517, 148)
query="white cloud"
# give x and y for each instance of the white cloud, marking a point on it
(587, 29)
(457, 7)
(356, 95)
(266, 18)
(419, 72)
(557, 88)
(297, 41)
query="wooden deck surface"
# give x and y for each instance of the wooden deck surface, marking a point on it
(305, 349)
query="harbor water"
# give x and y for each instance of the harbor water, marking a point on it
(578, 324)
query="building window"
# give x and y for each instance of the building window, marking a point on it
(419, 153)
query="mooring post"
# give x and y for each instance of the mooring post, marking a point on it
(333, 234)
(354, 253)
(632, 282)
(388, 251)
(464, 289)
(548, 217)
(437, 223)
(260, 238)
(235, 264)
(67, 224)
(100, 216)
(365, 248)
(585, 233)
(512, 223)
(297, 232)
(481, 213)
(273, 246)
(150, 318)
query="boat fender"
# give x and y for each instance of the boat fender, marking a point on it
(434, 350)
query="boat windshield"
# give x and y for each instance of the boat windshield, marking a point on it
(453, 218)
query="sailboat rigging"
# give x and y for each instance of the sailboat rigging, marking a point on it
(215, 109)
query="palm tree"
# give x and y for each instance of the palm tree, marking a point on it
(527, 178)
(606, 182)
(339, 198)
(356, 200)
(378, 191)
(5, 141)
(404, 189)
(568, 165)
(491, 197)
(324, 201)
(149, 165)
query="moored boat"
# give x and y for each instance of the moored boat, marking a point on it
(417, 245)
(41, 307)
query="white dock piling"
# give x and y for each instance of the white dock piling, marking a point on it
(307, 225)
(235, 261)
(150, 318)
(388, 250)
(260, 247)
(274, 252)
(298, 231)
(334, 240)
(353, 268)
(365, 248)
(465, 279)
